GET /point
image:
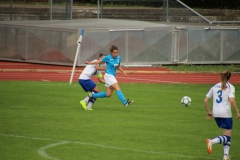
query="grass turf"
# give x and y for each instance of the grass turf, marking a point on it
(204, 68)
(44, 120)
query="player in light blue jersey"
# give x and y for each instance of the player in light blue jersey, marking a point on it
(112, 63)
(88, 85)
(223, 95)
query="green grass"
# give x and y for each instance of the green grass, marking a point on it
(204, 68)
(43, 120)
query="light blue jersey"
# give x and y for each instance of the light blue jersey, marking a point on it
(111, 63)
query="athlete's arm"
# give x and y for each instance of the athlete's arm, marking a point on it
(209, 113)
(94, 62)
(100, 78)
(120, 69)
(234, 104)
(99, 68)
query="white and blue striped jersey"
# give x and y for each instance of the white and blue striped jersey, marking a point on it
(221, 104)
(111, 63)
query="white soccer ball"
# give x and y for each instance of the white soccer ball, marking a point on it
(186, 101)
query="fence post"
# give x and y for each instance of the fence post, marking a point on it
(166, 18)
(71, 9)
(51, 9)
(11, 10)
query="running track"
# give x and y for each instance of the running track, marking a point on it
(17, 71)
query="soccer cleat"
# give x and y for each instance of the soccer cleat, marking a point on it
(84, 104)
(89, 109)
(128, 103)
(226, 157)
(209, 146)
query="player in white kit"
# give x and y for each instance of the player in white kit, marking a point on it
(223, 95)
(88, 85)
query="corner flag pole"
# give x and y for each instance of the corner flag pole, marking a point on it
(76, 56)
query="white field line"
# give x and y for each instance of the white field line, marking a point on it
(42, 152)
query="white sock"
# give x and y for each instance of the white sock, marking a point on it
(90, 105)
(226, 147)
(86, 99)
(219, 140)
(215, 140)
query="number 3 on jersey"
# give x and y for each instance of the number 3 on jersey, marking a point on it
(219, 100)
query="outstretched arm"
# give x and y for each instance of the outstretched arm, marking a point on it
(94, 62)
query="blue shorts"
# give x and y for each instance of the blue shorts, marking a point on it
(225, 123)
(87, 85)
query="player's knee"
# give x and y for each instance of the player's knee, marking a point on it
(109, 95)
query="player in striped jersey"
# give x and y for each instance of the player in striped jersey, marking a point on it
(223, 94)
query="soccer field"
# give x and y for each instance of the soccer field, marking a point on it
(44, 120)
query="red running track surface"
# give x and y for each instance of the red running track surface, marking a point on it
(16, 71)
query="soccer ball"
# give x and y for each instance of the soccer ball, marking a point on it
(186, 101)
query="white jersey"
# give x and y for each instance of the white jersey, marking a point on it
(89, 71)
(221, 103)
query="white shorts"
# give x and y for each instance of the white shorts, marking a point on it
(109, 80)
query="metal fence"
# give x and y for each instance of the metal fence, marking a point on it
(139, 43)
(61, 9)
(55, 10)
(163, 10)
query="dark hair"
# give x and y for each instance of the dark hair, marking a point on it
(100, 55)
(113, 47)
(225, 76)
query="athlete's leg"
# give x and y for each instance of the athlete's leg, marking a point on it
(88, 85)
(109, 91)
(94, 90)
(109, 80)
(90, 103)
(226, 145)
(119, 93)
(227, 132)
(225, 139)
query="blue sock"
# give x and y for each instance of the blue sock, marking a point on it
(121, 96)
(100, 95)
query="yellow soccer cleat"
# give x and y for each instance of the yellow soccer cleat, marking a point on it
(84, 104)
